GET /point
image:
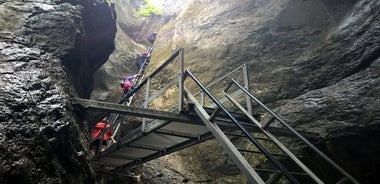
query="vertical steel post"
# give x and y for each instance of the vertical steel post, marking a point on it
(202, 99)
(180, 81)
(146, 103)
(246, 85)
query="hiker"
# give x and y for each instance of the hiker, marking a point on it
(127, 84)
(101, 129)
(142, 60)
(152, 37)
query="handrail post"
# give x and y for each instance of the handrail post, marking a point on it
(246, 84)
(180, 81)
(202, 99)
(146, 103)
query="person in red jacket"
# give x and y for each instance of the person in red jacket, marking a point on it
(101, 129)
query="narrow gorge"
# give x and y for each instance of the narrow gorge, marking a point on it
(316, 63)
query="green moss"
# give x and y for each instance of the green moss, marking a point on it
(149, 9)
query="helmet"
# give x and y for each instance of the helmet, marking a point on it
(127, 86)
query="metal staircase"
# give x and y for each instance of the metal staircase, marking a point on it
(116, 119)
(280, 172)
(200, 116)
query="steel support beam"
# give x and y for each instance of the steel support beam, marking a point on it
(172, 149)
(134, 111)
(121, 157)
(248, 88)
(238, 158)
(180, 81)
(146, 104)
(175, 133)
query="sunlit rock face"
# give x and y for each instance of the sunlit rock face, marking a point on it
(41, 44)
(130, 40)
(315, 62)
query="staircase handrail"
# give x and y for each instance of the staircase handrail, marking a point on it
(302, 138)
(221, 78)
(277, 164)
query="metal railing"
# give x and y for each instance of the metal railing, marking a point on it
(183, 75)
(274, 116)
(241, 70)
(220, 107)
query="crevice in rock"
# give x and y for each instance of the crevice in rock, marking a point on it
(92, 48)
(339, 8)
(366, 62)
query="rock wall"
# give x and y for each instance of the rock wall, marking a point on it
(314, 62)
(48, 52)
(130, 40)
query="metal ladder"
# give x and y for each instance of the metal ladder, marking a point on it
(117, 119)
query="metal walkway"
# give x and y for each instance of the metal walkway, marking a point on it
(225, 115)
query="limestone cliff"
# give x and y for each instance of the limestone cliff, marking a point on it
(130, 40)
(315, 62)
(49, 51)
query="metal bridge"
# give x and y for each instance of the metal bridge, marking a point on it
(200, 114)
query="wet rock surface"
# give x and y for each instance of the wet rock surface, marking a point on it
(40, 138)
(314, 62)
(129, 41)
(41, 44)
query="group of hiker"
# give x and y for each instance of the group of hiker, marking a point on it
(142, 60)
(102, 131)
